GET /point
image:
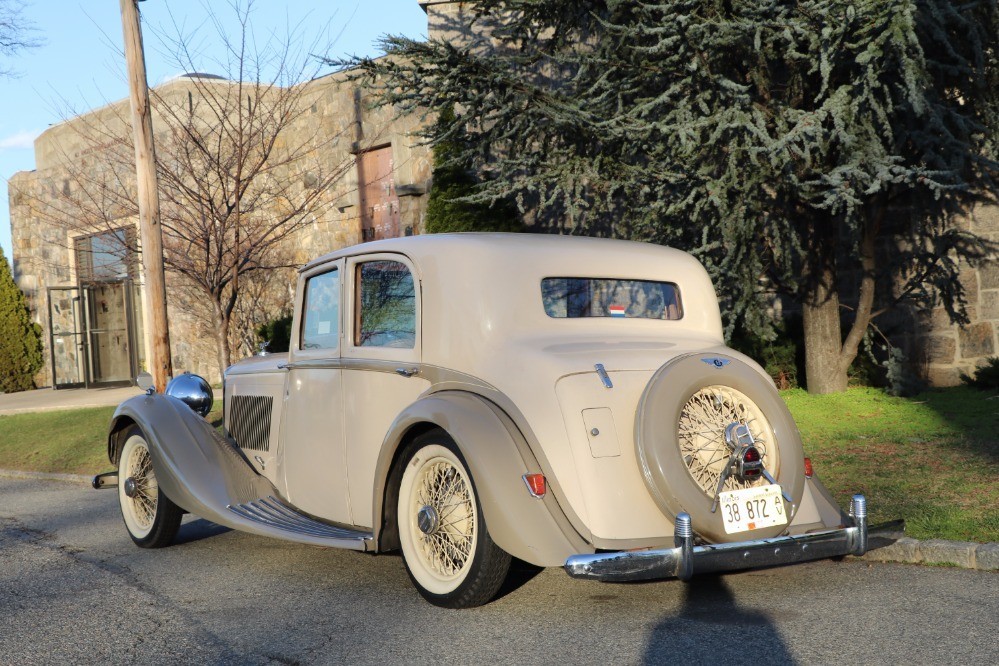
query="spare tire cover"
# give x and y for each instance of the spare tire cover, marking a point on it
(680, 438)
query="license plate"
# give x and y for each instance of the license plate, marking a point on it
(751, 508)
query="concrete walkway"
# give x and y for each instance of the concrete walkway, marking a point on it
(47, 400)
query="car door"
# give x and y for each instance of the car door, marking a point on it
(313, 463)
(381, 364)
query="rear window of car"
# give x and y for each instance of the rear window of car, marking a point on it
(574, 297)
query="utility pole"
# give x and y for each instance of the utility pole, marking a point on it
(150, 232)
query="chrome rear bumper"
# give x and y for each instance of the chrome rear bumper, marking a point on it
(685, 559)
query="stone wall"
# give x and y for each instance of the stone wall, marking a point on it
(340, 115)
(945, 350)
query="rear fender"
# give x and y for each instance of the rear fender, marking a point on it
(534, 530)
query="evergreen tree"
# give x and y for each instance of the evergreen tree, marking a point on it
(778, 140)
(452, 204)
(20, 338)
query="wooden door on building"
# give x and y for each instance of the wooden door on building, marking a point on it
(379, 202)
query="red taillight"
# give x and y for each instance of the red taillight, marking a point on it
(808, 468)
(752, 455)
(536, 484)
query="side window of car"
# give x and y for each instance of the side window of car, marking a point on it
(321, 320)
(386, 305)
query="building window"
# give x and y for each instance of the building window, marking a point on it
(106, 257)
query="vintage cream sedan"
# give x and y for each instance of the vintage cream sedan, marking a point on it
(469, 398)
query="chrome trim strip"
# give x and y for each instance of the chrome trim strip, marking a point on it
(685, 559)
(339, 363)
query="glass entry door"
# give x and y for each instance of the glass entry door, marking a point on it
(91, 335)
(109, 342)
(67, 340)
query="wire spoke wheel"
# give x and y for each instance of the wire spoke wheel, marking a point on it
(695, 422)
(447, 549)
(701, 436)
(151, 518)
(443, 489)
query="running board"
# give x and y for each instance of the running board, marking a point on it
(272, 517)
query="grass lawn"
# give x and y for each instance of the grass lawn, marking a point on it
(933, 459)
(66, 442)
(70, 442)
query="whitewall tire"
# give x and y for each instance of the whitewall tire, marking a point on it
(151, 519)
(448, 552)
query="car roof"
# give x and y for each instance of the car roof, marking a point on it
(516, 248)
(482, 291)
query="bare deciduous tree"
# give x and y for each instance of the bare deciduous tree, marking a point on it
(16, 33)
(241, 168)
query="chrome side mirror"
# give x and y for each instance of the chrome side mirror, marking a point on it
(193, 391)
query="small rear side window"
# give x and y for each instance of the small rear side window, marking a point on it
(571, 298)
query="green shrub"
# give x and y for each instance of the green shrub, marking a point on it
(20, 338)
(986, 376)
(276, 333)
(783, 358)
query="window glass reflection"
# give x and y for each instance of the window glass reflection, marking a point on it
(387, 305)
(570, 298)
(321, 319)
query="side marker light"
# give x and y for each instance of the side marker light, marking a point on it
(536, 485)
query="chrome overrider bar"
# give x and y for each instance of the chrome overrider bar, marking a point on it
(686, 559)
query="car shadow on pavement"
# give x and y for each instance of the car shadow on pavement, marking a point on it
(712, 628)
(198, 529)
(520, 574)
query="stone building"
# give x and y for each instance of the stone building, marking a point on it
(88, 298)
(82, 280)
(942, 350)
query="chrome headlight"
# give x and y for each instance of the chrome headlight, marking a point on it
(193, 391)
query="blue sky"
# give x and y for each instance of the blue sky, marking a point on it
(79, 67)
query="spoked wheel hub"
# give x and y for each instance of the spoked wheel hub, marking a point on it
(428, 520)
(131, 489)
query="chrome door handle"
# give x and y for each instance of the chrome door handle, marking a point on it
(407, 372)
(284, 366)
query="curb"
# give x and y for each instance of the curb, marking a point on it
(959, 554)
(45, 476)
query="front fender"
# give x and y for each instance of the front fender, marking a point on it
(534, 530)
(196, 468)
